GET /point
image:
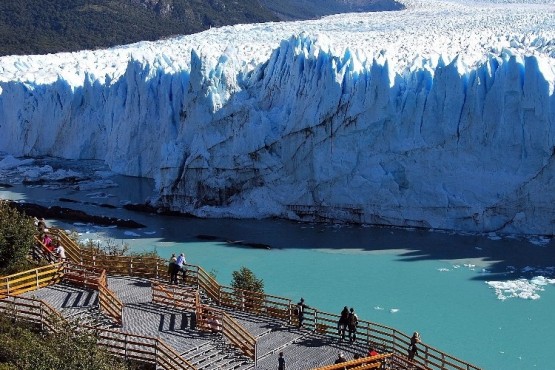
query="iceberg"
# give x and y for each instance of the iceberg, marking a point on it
(440, 116)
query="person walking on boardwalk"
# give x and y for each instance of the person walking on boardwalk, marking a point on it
(413, 347)
(300, 312)
(342, 323)
(352, 323)
(61, 253)
(281, 362)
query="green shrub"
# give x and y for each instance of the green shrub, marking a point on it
(17, 233)
(244, 279)
(24, 346)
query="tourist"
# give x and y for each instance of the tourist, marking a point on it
(281, 362)
(300, 312)
(181, 266)
(352, 323)
(61, 253)
(372, 352)
(340, 359)
(47, 241)
(173, 269)
(413, 348)
(342, 323)
(41, 225)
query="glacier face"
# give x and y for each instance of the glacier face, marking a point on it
(440, 115)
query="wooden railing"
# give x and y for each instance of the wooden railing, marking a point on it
(109, 303)
(175, 296)
(96, 279)
(30, 280)
(374, 362)
(129, 346)
(32, 311)
(214, 320)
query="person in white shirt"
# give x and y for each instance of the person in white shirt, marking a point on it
(61, 253)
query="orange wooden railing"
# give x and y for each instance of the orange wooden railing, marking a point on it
(30, 280)
(129, 346)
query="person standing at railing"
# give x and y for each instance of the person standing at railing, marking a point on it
(181, 266)
(413, 347)
(173, 269)
(300, 311)
(352, 323)
(342, 323)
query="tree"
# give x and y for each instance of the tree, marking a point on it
(17, 233)
(244, 279)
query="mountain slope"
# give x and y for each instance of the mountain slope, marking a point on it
(301, 10)
(48, 26)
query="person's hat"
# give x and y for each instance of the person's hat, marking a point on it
(341, 354)
(302, 299)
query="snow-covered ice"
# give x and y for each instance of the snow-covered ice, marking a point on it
(440, 116)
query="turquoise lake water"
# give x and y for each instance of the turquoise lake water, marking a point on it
(431, 282)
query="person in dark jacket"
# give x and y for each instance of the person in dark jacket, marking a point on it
(173, 269)
(342, 323)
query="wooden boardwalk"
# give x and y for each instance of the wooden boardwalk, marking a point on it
(303, 349)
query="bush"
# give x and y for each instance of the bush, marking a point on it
(244, 279)
(17, 233)
(24, 346)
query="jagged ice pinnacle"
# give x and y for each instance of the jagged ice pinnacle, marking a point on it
(440, 115)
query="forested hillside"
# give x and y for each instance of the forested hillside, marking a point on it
(48, 26)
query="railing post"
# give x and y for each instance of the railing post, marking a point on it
(7, 286)
(37, 277)
(125, 346)
(255, 355)
(315, 320)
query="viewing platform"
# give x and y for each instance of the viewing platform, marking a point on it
(127, 303)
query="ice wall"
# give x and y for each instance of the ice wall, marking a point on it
(310, 132)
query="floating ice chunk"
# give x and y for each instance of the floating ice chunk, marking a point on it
(10, 162)
(493, 236)
(521, 288)
(378, 308)
(443, 269)
(394, 310)
(539, 240)
(131, 233)
(149, 232)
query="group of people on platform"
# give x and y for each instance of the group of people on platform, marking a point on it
(177, 265)
(54, 247)
(348, 320)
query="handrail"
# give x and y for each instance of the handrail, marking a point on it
(30, 280)
(215, 320)
(95, 278)
(371, 362)
(129, 346)
(108, 301)
(175, 296)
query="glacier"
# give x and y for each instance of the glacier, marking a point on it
(437, 116)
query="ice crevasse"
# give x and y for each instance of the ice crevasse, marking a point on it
(439, 116)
